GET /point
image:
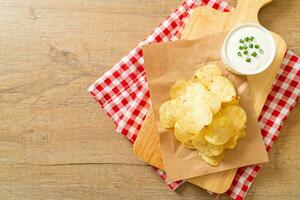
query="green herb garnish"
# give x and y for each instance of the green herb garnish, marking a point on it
(254, 54)
(261, 51)
(247, 48)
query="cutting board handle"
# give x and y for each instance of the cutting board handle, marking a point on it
(247, 10)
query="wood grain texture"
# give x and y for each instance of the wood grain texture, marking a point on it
(205, 21)
(56, 143)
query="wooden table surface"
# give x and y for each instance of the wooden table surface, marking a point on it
(55, 141)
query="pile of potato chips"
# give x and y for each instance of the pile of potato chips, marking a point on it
(205, 115)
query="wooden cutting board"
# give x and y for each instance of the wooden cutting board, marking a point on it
(205, 21)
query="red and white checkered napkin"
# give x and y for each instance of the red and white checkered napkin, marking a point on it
(123, 93)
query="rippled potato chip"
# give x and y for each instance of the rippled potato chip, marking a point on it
(213, 101)
(181, 134)
(242, 134)
(213, 160)
(233, 102)
(218, 114)
(189, 145)
(222, 87)
(168, 113)
(197, 115)
(205, 114)
(220, 131)
(232, 141)
(199, 92)
(194, 91)
(178, 89)
(186, 89)
(237, 115)
(205, 147)
(205, 74)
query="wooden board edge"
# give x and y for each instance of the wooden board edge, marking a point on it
(223, 187)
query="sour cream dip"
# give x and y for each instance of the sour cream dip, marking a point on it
(248, 49)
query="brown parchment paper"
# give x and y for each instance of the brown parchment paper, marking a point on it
(167, 63)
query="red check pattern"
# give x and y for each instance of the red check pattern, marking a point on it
(123, 93)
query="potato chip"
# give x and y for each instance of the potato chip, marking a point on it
(234, 101)
(194, 90)
(198, 91)
(242, 134)
(205, 74)
(189, 145)
(205, 114)
(222, 87)
(220, 131)
(197, 115)
(237, 115)
(205, 147)
(178, 89)
(181, 134)
(213, 160)
(213, 101)
(232, 141)
(186, 89)
(168, 113)
(218, 114)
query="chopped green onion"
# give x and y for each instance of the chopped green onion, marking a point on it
(246, 48)
(254, 54)
(261, 51)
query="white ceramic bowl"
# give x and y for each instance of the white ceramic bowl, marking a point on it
(265, 54)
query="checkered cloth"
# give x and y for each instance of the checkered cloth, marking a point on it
(123, 93)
